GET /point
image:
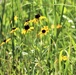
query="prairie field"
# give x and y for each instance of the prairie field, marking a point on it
(37, 37)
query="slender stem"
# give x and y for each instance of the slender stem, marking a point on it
(62, 11)
(13, 33)
(49, 57)
(61, 17)
(13, 48)
(54, 12)
(3, 10)
(1, 28)
(45, 9)
(55, 19)
(55, 37)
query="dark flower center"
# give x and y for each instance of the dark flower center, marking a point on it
(26, 27)
(37, 16)
(13, 28)
(43, 31)
(4, 40)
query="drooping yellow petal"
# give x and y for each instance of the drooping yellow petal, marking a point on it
(2, 43)
(8, 40)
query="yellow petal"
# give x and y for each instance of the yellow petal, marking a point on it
(14, 30)
(8, 40)
(23, 31)
(2, 43)
(15, 18)
(31, 28)
(52, 26)
(42, 17)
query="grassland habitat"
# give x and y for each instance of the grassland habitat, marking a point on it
(37, 37)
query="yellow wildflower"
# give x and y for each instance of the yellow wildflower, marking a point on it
(44, 30)
(5, 41)
(28, 21)
(13, 29)
(26, 29)
(38, 18)
(35, 20)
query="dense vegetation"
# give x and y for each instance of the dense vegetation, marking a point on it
(37, 37)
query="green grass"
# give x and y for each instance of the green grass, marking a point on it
(31, 53)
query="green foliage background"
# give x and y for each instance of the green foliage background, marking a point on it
(31, 55)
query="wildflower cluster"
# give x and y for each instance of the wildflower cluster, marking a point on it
(37, 18)
(27, 27)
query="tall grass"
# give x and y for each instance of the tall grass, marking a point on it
(48, 46)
